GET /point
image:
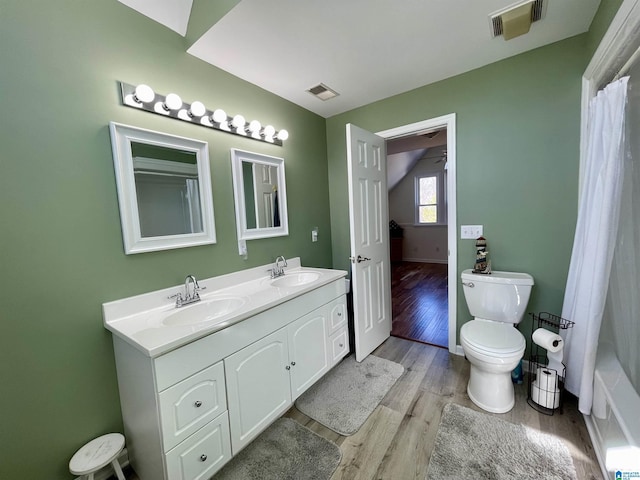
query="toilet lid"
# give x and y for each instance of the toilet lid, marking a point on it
(493, 337)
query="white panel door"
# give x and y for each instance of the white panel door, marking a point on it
(258, 388)
(369, 228)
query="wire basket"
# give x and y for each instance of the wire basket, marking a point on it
(546, 385)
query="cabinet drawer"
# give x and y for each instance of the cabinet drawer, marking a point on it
(190, 404)
(339, 342)
(337, 314)
(202, 454)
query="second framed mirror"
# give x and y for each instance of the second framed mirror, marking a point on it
(260, 195)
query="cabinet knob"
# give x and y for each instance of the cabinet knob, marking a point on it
(339, 314)
(203, 457)
(293, 363)
(198, 403)
(341, 345)
(288, 367)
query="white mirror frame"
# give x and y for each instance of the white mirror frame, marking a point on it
(244, 233)
(122, 136)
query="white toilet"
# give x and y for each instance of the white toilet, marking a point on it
(490, 341)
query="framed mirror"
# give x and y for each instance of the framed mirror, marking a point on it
(164, 189)
(260, 195)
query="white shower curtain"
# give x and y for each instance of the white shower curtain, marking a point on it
(593, 245)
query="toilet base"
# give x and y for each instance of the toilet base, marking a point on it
(492, 392)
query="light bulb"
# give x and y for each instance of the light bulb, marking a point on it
(172, 102)
(143, 94)
(269, 131)
(283, 135)
(197, 109)
(238, 121)
(219, 116)
(254, 128)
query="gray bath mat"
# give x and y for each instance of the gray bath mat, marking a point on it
(348, 394)
(284, 451)
(471, 444)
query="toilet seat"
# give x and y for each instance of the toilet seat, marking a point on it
(492, 338)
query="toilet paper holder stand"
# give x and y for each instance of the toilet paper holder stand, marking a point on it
(545, 385)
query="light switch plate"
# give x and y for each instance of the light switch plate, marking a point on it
(470, 231)
(314, 234)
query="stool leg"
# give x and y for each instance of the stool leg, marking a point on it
(117, 469)
(90, 476)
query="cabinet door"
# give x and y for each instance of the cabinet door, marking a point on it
(257, 387)
(308, 351)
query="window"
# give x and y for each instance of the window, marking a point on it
(430, 208)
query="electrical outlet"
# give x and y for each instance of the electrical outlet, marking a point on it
(470, 231)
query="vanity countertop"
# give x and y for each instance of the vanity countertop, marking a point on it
(152, 323)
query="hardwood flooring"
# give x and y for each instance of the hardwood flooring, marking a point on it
(396, 441)
(419, 302)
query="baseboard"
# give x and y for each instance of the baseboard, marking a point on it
(107, 471)
(425, 260)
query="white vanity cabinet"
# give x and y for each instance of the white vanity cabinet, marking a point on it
(264, 378)
(188, 410)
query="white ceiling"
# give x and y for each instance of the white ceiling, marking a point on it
(366, 50)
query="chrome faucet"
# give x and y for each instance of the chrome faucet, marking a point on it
(278, 268)
(188, 297)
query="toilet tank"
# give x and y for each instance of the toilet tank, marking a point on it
(499, 296)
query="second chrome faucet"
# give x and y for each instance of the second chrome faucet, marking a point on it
(190, 293)
(278, 268)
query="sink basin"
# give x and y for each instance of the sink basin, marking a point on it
(295, 279)
(205, 311)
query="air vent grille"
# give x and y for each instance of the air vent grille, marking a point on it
(538, 9)
(322, 92)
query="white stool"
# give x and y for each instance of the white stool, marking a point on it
(97, 454)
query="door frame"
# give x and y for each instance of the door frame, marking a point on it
(448, 122)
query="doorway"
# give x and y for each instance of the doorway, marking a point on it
(420, 314)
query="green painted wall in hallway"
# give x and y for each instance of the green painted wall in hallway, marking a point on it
(517, 161)
(61, 248)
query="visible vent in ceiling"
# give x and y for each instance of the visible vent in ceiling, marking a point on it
(323, 92)
(496, 19)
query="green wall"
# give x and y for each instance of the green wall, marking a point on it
(60, 244)
(517, 162)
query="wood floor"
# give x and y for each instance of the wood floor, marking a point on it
(419, 302)
(396, 441)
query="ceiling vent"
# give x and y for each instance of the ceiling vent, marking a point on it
(516, 20)
(323, 92)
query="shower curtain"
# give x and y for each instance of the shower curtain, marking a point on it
(593, 246)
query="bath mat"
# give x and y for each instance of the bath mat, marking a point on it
(284, 451)
(348, 394)
(471, 444)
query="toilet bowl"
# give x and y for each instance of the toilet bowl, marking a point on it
(490, 342)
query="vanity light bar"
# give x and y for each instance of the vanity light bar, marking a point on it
(171, 105)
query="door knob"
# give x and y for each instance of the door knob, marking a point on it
(359, 259)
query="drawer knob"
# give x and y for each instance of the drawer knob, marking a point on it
(288, 367)
(293, 363)
(198, 404)
(203, 457)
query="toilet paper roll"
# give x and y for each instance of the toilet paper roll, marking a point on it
(551, 342)
(555, 362)
(544, 398)
(546, 379)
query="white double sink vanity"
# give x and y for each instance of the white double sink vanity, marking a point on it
(199, 382)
